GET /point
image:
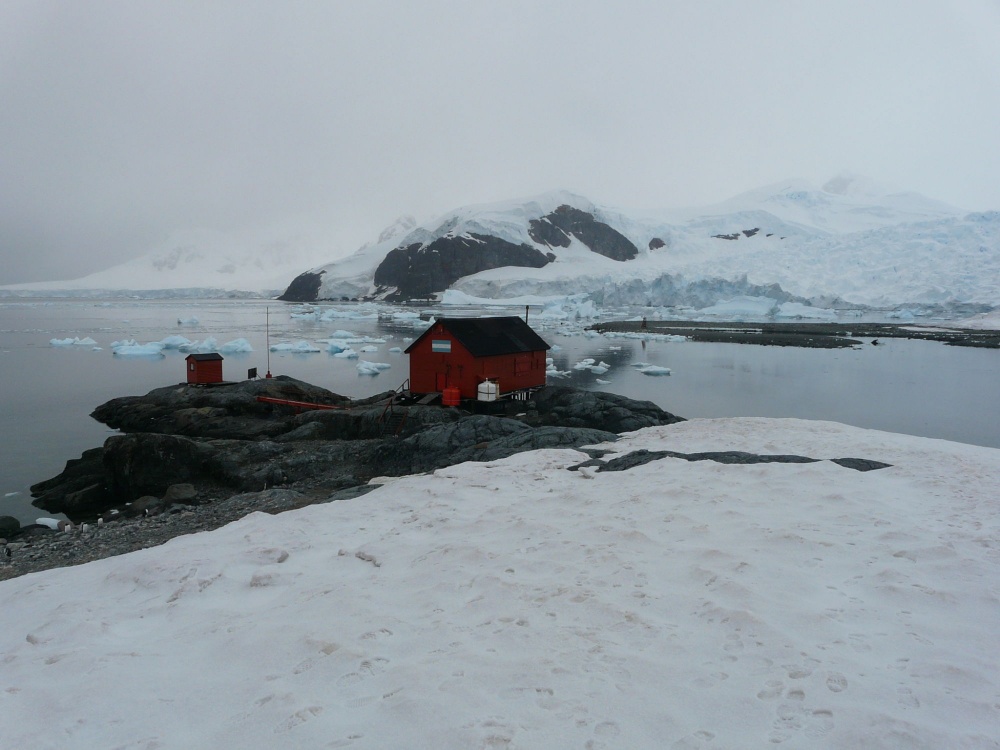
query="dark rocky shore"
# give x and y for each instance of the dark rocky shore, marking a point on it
(813, 335)
(195, 458)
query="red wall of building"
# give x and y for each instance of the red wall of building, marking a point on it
(204, 372)
(432, 371)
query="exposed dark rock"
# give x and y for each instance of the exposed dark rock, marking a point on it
(860, 464)
(750, 232)
(554, 229)
(733, 236)
(656, 243)
(304, 287)
(570, 407)
(9, 526)
(642, 457)
(228, 411)
(477, 438)
(417, 271)
(78, 490)
(185, 446)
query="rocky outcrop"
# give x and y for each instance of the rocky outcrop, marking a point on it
(220, 441)
(417, 271)
(556, 228)
(304, 287)
(599, 410)
(230, 411)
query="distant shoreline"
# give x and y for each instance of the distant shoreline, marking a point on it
(808, 335)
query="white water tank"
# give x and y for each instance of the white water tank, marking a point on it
(488, 391)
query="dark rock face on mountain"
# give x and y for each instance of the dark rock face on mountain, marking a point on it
(417, 271)
(555, 229)
(186, 446)
(304, 287)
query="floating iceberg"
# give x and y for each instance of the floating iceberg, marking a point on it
(210, 344)
(654, 370)
(371, 368)
(175, 342)
(598, 368)
(73, 342)
(299, 347)
(236, 346)
(135, 349)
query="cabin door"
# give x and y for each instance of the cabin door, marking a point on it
(441, 381)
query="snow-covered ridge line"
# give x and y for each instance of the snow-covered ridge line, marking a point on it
(849, 243)
(844, 245)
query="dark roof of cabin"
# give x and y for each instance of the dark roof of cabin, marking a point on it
(488, 337)
(204, 357)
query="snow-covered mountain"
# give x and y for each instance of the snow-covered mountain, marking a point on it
(202, 262)
(849, 242)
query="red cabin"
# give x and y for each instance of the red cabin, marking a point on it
(204, 368)
(464, 352)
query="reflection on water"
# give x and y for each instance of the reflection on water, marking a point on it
(922, 388)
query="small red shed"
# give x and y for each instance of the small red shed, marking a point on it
(464, 352)
(204, 368)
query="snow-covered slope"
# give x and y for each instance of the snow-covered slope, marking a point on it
(849, 242)
(516, 604)
(204, 260)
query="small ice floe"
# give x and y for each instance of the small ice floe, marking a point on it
(371, 368)
(192, 321)
(299, 347)
(51, 523)
(395, 350)
(175, 342)
(347, 353)
(236, 346)
(598, 368)
(370, 348)
(552, 371)
(654, 370)
(132, 348)
(602, 382)
(11, 494)
(75, 341)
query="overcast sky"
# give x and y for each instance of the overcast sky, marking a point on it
(123, 121)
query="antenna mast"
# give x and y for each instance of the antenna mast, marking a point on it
(267, 338)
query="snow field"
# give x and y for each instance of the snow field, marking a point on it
(516, 604)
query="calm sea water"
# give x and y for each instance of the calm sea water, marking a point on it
(921, 388)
